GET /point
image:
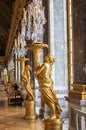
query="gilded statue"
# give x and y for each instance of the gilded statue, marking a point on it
(27, 82)
(12, 76)
(5, 80)
(43, 74)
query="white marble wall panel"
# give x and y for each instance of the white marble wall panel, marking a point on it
(58, 47)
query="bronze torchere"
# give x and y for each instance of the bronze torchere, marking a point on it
(30, 102)
(36, 47)
(22, 63)
(6, 81)
(12, 76)
(54, 122)
(43, 74)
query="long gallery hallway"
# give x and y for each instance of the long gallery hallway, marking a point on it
(12, 116)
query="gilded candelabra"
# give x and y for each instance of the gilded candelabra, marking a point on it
(46, 86)
(5, 80)
(25, 78)
(12, 76)
(36, 48)
(22, 63)
(34, 20)
(53, 122)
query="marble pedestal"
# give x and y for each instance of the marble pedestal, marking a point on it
(53, 124)
(30, 110)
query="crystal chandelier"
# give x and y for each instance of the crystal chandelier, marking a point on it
(11, 65)
(5, 71)
(32, 27)
(33, 21)
(20, 44)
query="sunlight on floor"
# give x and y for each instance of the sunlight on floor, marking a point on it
(12, 116)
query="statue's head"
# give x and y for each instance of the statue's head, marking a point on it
(49, 58)
(27, 67)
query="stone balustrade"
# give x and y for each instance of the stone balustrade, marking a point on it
(80, 119)
(77, 114)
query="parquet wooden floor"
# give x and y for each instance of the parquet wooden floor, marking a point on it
(12, 116)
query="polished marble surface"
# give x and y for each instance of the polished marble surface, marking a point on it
(12, 116)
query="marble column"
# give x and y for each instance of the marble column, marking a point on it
(58, 47)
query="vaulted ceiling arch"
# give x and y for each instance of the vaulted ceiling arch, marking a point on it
(6, 12)
(10, 11)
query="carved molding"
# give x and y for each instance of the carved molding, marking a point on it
(17, 15)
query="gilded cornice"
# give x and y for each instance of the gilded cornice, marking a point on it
(2, 58)
(17, 15)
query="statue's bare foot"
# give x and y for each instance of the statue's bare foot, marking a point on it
(47, 118)
(52, 117)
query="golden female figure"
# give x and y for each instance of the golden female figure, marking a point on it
(27, 82)
(46, 86)
(5, 81)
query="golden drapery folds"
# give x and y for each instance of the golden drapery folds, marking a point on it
(25, 77)
(46, 86)
(27, 82)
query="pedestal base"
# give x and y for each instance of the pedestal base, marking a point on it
(77, 95)
(30, 110)
(55, 124)
(78, 92)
